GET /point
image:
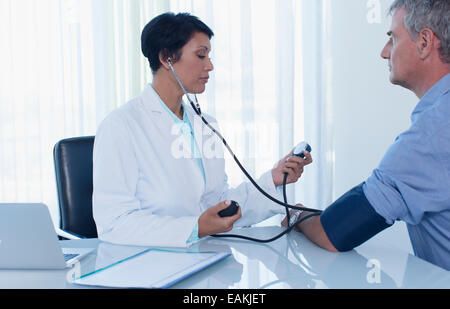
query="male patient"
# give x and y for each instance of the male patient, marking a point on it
(412, 182)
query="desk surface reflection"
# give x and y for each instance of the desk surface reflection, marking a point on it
(291, 262)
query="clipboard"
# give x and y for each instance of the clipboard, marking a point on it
(151, 269)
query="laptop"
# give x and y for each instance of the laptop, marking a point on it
(28, 239)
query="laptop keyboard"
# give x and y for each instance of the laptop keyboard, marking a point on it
(69, 256)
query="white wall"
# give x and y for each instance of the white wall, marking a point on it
(369, 112)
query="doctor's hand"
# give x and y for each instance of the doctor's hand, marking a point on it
(293, 166)
(211, 223)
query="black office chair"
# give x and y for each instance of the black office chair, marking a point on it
(73, 170)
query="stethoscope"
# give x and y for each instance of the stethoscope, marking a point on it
(293, 221)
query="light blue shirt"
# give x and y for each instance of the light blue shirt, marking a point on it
(186, 128)
(412, 182)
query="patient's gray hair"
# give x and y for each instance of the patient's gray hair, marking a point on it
(433, 14)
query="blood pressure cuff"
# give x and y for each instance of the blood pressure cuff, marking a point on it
(351, 220)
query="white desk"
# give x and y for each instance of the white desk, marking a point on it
(291, 262)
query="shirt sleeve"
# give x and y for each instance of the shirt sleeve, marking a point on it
(411, 179)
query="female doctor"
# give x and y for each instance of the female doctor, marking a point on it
(145, 192)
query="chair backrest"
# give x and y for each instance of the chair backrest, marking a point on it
(73, 170)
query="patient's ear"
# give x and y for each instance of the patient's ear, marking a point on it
(426, 43)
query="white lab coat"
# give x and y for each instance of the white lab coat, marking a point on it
(145, 195)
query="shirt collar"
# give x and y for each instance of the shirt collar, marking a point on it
(428, 100)
(164, 106)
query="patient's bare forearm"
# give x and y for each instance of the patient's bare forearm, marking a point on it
(313, 230)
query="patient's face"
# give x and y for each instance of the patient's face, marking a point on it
(401, 52)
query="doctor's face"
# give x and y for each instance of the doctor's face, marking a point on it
(194, 65)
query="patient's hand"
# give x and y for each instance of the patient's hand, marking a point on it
(292, 212)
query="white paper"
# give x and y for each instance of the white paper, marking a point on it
(151, 269)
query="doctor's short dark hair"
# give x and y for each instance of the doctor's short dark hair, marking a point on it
(167, 34)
